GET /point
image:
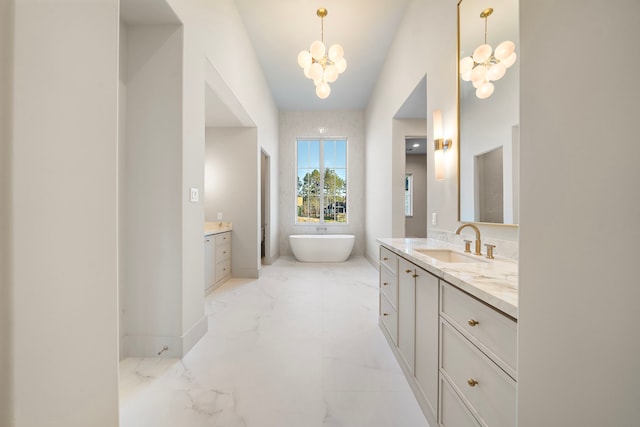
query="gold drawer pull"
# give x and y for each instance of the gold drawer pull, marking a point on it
(385, 284)
(385, 314)
(385, 258)
(473, 322)
(407, 271)
(472, 382)
(414, 275)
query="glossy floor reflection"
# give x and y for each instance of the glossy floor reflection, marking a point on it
(299, 347)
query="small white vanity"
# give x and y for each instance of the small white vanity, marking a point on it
(217, 254)
(451, 320)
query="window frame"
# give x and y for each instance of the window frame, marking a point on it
(408, 191)
(321, 140)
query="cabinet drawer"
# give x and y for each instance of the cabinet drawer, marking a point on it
(493, 398)
(223, 252)
(389, 286)
(389, 260)
(493, 332)
(389, 317)
(223, 269)
(453, 413)
(223, 238)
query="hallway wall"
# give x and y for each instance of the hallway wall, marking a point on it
(579, 289)
(429, 26)
(208, 27)
(64, 171)
(151, 247)
(6, 38)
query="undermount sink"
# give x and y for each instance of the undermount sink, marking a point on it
(448, 256)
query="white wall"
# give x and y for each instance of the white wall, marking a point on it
(152, 242)
(122, 184)
(579, 235)
(349, 124)
(64, 299)
(232, 173)
(428, 27)
(416, 225)
(6, 38)
(208, 28)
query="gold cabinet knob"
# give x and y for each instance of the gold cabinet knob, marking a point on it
(384, 284)
(407, 271)
(414, 275)
(385, 258)
(472, 382)
(472, 322)
(385, 314)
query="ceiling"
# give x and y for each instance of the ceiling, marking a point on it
(415, 145)
(280, 29)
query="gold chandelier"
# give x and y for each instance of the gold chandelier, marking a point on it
(486, 65)
(320, 65)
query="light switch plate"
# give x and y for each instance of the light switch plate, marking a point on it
(434, 218)
(194, 195)
(219, 216)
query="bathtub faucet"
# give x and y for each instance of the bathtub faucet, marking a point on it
(321, 229)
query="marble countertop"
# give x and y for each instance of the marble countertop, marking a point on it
(494, 281)
(216, 227)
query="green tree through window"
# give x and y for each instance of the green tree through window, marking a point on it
(321, 181)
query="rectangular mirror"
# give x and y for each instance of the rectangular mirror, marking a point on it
(488, 111)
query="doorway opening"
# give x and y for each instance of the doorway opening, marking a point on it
(265, 207)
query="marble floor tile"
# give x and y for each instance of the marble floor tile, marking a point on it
(298, 347)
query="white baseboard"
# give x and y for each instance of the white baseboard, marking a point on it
(193, 335)
(373, 261)
(177, 346)
(248, 273)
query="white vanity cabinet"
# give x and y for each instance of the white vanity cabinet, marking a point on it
(407, 312)
(217, 259)
(209, 262)
(426, 364)
(389, 293)
(415, 343)
(477, 360)
(457, 351)
(223, 257)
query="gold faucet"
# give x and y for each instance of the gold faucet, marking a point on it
(478, 243)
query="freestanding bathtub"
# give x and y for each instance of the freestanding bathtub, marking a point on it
(321, 247)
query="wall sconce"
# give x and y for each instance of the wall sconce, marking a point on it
(440, 145)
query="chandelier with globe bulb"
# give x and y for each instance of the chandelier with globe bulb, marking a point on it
(487, 65)
(321, 65)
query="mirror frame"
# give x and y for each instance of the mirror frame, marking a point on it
(494, 224)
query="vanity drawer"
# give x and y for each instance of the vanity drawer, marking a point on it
(389, 260)
(223, 252)
(493, 332)
(389, 317)
(453, 413)
(223, 238)
(223, 269)
(487, 390)
(389, 286)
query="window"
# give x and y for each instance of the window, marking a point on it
(322, 181)
(408, 195)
